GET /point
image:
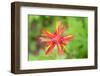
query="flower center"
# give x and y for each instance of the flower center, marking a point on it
(57, 39)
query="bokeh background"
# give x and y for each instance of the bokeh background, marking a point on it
(77, 26)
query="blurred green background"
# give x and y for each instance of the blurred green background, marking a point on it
(77, 26)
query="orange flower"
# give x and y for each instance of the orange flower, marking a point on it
(56, 39)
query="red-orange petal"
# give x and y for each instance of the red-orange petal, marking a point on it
(47, 34)
(50, 47)
(59, 28)
(67, 38)
(60, 49)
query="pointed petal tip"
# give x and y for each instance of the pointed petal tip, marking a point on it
(50, 48)
(60, 49)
